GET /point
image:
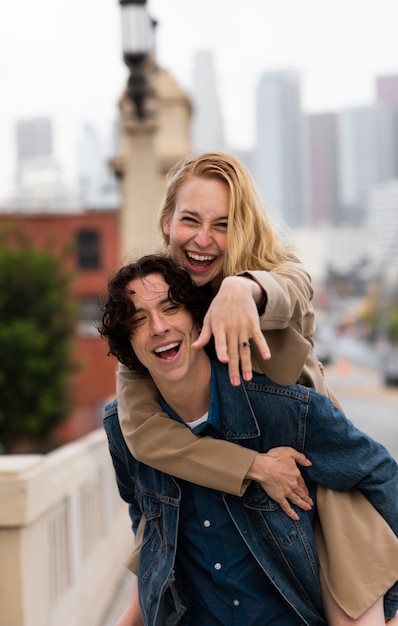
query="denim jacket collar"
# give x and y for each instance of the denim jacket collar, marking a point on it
(241, 424)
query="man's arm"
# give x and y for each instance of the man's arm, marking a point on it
(131, 616)
(344, 457)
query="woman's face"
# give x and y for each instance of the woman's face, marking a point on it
(198, 229)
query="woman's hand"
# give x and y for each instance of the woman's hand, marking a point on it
(279, 476)
(233, 320)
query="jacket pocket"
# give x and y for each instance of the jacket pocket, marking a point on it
(271, 522)
(171, 608)
(256, 498)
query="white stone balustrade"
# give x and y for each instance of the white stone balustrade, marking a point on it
(64, 533)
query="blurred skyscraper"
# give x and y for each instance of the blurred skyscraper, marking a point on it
(387, 93)
(96, 184)
(367, 156)
(383, 225)
(387, 89)
(34, 140)
(38, 176)
(207, 123)
(280, 152)
(90, 166)
(323, 169)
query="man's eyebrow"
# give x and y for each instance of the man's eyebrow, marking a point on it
(165, 300)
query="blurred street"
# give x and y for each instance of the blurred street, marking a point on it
(371, 405)
(355, 373)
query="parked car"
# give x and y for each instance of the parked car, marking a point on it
(323, 352)
(389, 366)
(323, 342)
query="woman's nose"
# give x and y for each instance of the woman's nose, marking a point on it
(203, 237)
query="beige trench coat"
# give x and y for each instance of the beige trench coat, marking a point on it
(357, 549)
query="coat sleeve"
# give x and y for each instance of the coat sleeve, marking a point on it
(172, 448)
(156, 440)
(289, 294)
(288, 323)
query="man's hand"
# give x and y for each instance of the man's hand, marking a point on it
(279, 476)
(131, 616)
(233, 320)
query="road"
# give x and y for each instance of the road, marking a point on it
(371, 405)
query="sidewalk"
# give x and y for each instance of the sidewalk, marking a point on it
(120, 599)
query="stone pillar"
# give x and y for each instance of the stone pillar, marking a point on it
(173, 137)
(150, 144)
(136, 166)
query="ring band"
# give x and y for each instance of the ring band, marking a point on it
(245, 344)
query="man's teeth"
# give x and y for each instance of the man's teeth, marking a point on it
(200, 257)
(169, 346)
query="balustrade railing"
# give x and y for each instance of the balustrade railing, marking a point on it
(64, 533)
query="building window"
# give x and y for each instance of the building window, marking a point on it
(89, 317)
(88, 249)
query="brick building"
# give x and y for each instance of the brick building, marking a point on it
(94, 239)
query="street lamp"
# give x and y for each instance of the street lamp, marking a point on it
(138, 37)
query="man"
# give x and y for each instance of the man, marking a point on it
(209, 558)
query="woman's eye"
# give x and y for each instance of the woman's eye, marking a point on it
(223, 225)
(188, 220)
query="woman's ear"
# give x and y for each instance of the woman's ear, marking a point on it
(166, 226)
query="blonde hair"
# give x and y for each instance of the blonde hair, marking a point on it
(253, 242)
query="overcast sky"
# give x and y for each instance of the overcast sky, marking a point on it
(62, 58)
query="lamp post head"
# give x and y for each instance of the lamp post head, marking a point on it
(138, 39)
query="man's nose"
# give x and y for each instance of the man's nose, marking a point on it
(159, 325)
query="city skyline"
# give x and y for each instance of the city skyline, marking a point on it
(60, 63)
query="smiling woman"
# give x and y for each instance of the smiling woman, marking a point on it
(197, 229)
(216, 226)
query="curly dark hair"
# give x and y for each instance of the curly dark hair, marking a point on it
(118, 309)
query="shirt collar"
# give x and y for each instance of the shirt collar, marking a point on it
(213, 418)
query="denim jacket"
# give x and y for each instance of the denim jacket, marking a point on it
(259, 415)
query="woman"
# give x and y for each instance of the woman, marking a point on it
(214, 223)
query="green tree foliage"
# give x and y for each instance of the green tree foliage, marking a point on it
(36, 334)
(393, 324)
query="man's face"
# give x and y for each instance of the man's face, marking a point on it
(162, 332)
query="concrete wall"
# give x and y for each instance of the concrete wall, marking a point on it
(64, 533)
